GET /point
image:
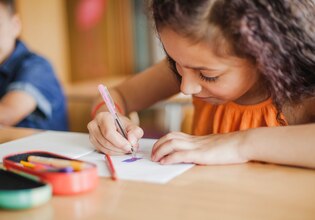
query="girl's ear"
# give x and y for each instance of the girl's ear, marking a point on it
(16, 25)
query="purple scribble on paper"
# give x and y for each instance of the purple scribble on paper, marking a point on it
(133, 159)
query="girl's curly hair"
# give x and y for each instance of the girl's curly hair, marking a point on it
(278, 36)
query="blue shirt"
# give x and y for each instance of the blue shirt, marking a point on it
(26, 71)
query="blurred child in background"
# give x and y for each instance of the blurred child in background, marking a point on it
(30, 94)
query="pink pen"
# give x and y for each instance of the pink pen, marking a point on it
(112, 109)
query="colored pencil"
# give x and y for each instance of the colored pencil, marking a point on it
(111, 167)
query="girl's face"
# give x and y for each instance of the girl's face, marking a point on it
(211, 78)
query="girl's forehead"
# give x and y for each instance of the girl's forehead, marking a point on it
(186, 51)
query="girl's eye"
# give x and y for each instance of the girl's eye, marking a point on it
(208, 79)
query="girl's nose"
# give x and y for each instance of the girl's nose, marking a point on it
(189, 84)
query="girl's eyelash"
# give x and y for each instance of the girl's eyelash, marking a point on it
(208, 79)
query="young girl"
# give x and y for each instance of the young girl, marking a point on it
(249, 66)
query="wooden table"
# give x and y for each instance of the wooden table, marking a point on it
(249, 191)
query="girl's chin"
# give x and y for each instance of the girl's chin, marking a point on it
(212, 100)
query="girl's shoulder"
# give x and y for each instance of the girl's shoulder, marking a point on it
(301, 113)
(310, 108)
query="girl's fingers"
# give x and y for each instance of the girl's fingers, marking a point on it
(170, 136)
(135, 131)
(170, 146)
(179, 157)
(109, 132)
(104, 149)
(104, 134)
(134, 134)
(115, 139)
(161, 141)
(100, 142)
(105, 144)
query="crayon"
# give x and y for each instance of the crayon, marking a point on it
(44, 167)
(59, 163)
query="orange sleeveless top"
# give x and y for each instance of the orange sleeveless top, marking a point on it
(229, 117)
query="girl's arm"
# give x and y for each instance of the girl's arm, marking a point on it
(148, 87)
(144, 89)
(290, 145)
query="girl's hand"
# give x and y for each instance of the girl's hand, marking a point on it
(106, 138)
(177, 147)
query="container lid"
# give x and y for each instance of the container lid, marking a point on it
(19, 191)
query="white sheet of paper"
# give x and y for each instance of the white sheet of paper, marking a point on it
(77, 145)
(69, 144)
(140, 170)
